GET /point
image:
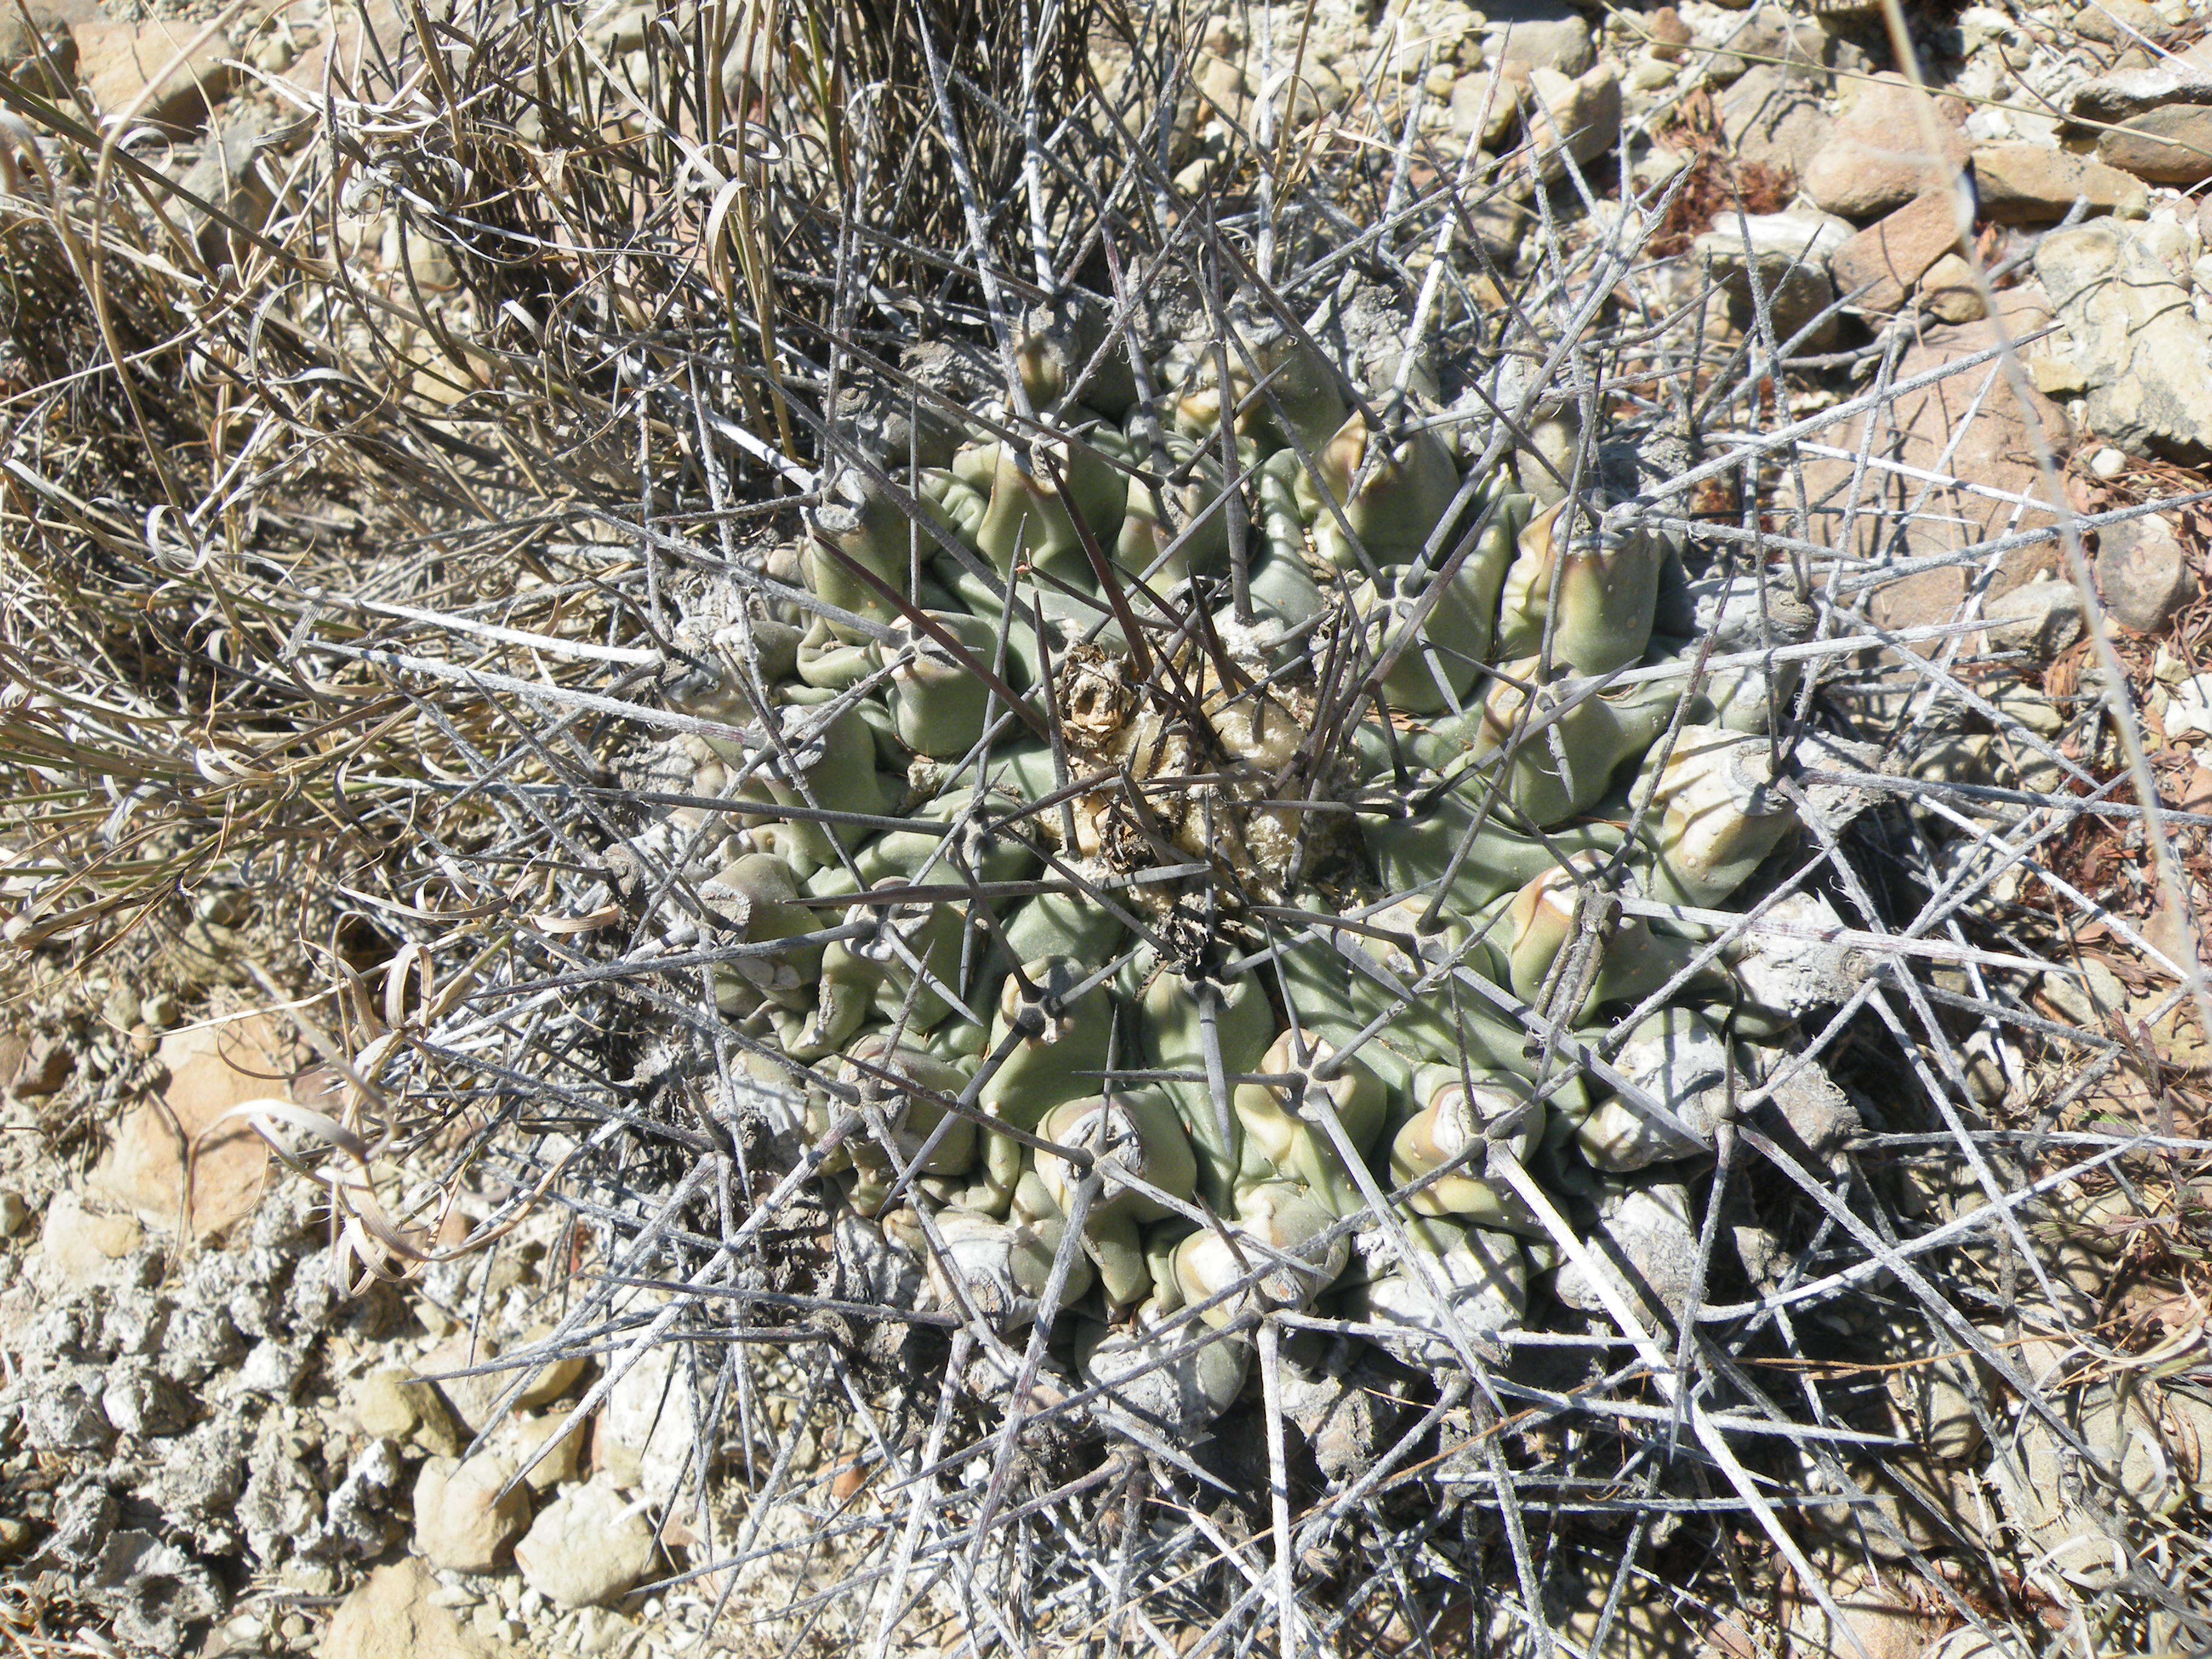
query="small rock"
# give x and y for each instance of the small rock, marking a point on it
(462, 1521)
(211, 1070)
(1482, 108)
(1875, 159)
(1772, 33)
(2022, 184)
(117, 62)
(1561, 45)
(1877, 268)
(644, 1429)
(519, 1438)
(1949, 294)
(1578, 118)
(392, 1615)
(13, 1212)
(2108, 463)
(549, 1382)
(1772, 118)
(2039, 617)
(159, 1010)
(389, 1406)
(44, 1068)
(2142, 573)
(2170, 145)
(1669, 35)
(1789, 254)
(79, 1245)
(2119, 22)
(1649, 74)
(587, 1548)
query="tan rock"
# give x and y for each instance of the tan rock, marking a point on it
(79, 1243)
(464, 1519)
(390, 1616)
(519, 1439)
(551, 1382)
(2027, 183)
(587, 1548)
(1949, 293)
(1877, 268)
(210, 1072)
(471, 1397)
(1578, 117)
(1892, 145)
(2170, 145)
(1929, 429)
(119, 62)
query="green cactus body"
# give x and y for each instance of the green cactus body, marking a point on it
(1719, 816)
(1596, 597)
(1390, 501)
(1253, 847)
(1552, 774)
(1172, 1026)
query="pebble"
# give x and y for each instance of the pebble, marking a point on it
(461, 1520)
(587, 1548)
(13, 1212)
(2142, 571)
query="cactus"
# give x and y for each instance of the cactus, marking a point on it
(1144, 986)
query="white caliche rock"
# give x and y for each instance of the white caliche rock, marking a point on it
(588, 1548)
(2131, 348)
(1648, 1240)
(647, 1423)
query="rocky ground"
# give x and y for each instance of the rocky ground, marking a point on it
(214, 1440)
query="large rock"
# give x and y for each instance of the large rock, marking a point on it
(1896, 515)
(118, 63)
(2185, 79)
(1878, 156)
(390, 1616)
(2169, 145)
(1774, 118)
(210, 1072)
(1788, 253)
(2131, 346)
(588, 1547)
(1877, 268)
(2022, 184)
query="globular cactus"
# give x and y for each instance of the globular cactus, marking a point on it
(1203, 825)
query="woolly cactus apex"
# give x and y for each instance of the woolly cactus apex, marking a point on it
(1391, 501)
(864, 525)
(1413, 852)
(1134, 1131)
(1152, 1375)
(1719, 815)
(1562, 762)
(1460, 1115)
(938, 703)
(1001, 1268)
(1029, 519)
(1470, 1279)
(899, 1081)
(1597, 593)
(1273, 1219)
(1285, 1135)
(1630, 962)
(824, 762)
(1051, 1039)
(757, 896)
(1160, 514)
(1679, 1060)
(1184, 1018)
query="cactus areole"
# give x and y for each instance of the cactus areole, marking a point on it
(1182, 870)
